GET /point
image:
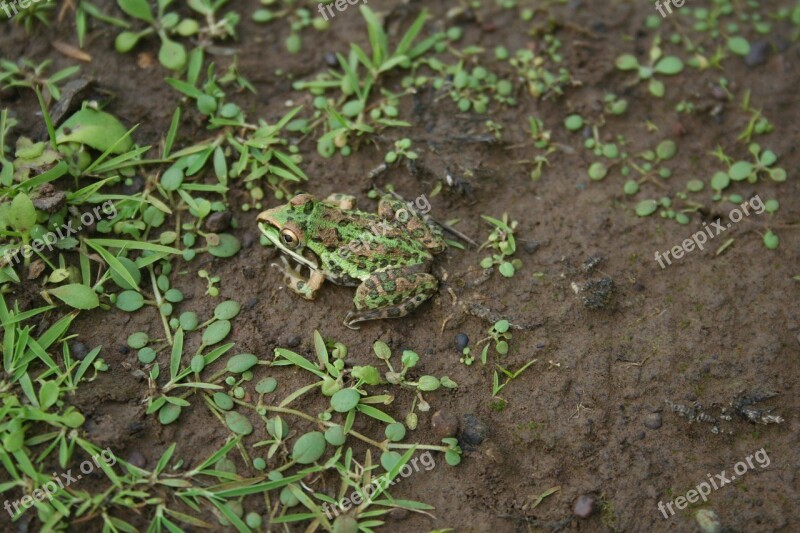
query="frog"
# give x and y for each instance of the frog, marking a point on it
(386, 255)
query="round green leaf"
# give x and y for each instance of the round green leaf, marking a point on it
(666, 149)
(169, 413)
(507, 269)
(720, 181)
(345, 400)
(739, 46)
(216, 332)
(646, 208)
(308, 448)
(223, 401)
(395, 432)
(335, 435)
(627, 62)
(428, 383)
(227, 247)
(238, 423)
(189, 321)
(146, 355)
(574, 122)
(631, 187)
(129, 301)
(171, 54)
(266, 385)
(695, 185)
(242, 362)
(669, 65)
(227, 310)
(771, 240)
(389, 459)
(138, 340)
(597, 171)
(740, 170)
(22, 214)
(197, 364)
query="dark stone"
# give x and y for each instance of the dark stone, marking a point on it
(531, 246)
(758, 54)
(330, 60)
(251, 303)
(462, 341)
(218, 222)
(136, 185)
(584, 506)
(294, 342)
(474, 431)
(248, 239)
(136, 458)
(78, 350)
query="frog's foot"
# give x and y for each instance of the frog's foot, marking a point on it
(342, 201)
(305, 287)
(390, 294)
(390, 208)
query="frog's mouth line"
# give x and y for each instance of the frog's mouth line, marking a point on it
(272, 233)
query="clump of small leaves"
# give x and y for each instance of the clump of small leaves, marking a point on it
(299, 18)
(169, 26)
(501, 240)
(657, 64)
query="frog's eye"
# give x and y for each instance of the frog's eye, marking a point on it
(289, 238)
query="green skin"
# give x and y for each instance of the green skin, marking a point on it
(387, 255)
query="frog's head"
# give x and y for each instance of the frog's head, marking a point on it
(285, 226)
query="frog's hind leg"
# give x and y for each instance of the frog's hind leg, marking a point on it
(429, 234)
(391, 294)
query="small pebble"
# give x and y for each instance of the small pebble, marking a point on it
(78, 350)
(137, 184)
(398, 513)
(293, 342)
(758, 54)
(444, 424)
(218, 222)
(584, 506)
(474, 431)
(531, 246)
(653, 421)
(248, 239)
(330, 60)
(462, 341)
(251, 303)
(137, 459)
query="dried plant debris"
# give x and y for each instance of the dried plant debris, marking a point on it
(596, 293)
(592, 262)
(741, 405)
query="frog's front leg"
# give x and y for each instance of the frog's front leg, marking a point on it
(305, 287)
(391, 294)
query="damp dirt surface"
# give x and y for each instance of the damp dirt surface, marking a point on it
(590, 417)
